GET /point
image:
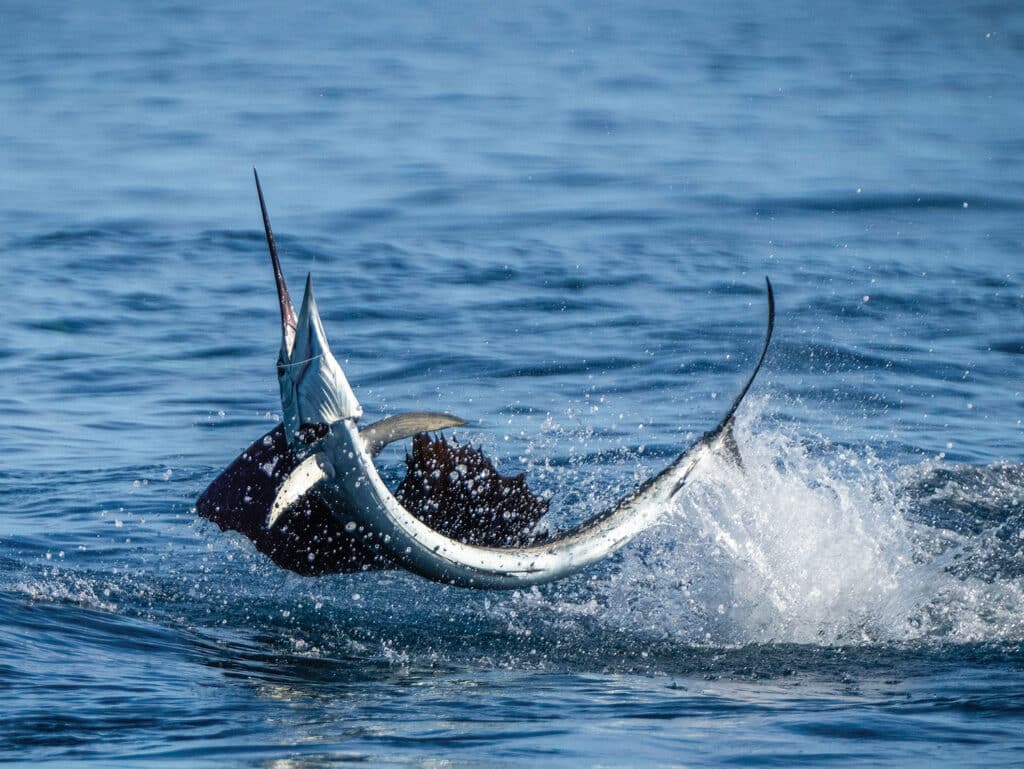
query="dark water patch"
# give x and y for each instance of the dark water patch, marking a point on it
(881, 728)
(450, 365)
(571, 368)
(385, 253)
(100, 629)
(282, 121)
(356, 219)
(142, 302)
(569, 217)
(154, 194)
(241, 241)
(580, 179)
(71, 326)
(68, 237)
(998, 282)
(341, 93)
(895, 202)
(119, 426)
(435, 196)
(176, 139)
(223, 351)
(546, 306)
(1009, 346)
(593, 121)
(631, 83)
(465, 100)
(136, 232)
(840, 358)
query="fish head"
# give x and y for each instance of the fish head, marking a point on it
(314, 390)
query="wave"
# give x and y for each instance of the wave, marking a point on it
(811, 545)
(896, 201)
(815, 543)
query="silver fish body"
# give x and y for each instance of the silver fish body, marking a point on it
(335, 462)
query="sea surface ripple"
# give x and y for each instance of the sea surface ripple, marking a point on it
(554, 220)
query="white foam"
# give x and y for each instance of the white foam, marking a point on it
(804, 545)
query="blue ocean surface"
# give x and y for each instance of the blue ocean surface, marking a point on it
(553, 219)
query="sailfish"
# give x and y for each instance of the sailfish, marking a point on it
(453, 487)
(309, 495)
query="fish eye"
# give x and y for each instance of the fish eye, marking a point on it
(310, 432)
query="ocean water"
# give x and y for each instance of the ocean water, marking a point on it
(554, 220)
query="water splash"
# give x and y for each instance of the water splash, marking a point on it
(816, 543)
(811, 543)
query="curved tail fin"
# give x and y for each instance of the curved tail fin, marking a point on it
(726, 426)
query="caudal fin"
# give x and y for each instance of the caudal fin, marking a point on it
(728, 439)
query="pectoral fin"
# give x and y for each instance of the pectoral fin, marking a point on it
(309, 472)
(378, 435)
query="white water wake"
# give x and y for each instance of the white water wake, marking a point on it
(816, 545)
